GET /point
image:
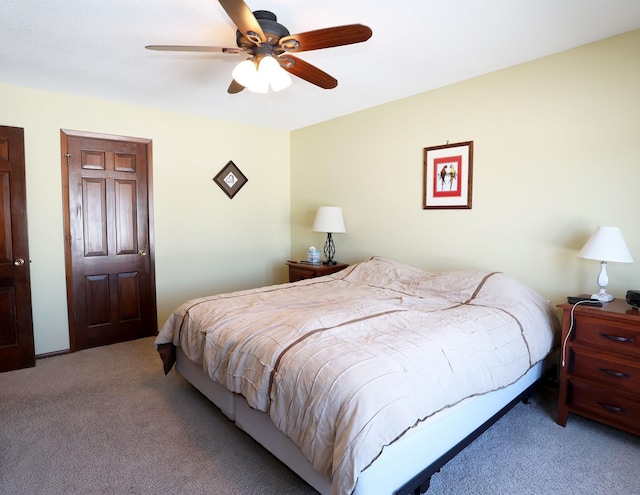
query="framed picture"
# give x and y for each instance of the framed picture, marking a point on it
(448, 176)
(230, 179)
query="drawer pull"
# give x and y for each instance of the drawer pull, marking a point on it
(616, 338)
(618, 374)
(611, 408)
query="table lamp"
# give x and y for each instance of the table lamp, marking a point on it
(329, 219)
(606, 244)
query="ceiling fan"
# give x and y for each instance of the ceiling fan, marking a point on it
(266, 41)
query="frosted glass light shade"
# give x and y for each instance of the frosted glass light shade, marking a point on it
(270, 69)
(245, 73)
(258, 78)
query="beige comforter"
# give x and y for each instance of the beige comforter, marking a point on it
(344, 364)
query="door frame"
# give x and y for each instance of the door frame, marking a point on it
(65, 134)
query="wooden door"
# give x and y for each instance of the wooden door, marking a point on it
(16, 321)
(109, 238)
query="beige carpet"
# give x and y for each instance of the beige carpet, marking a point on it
(107, 421)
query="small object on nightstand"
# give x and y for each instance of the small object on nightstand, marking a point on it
(587, 301)
(302, 270)
(633, 298)
(313, 255)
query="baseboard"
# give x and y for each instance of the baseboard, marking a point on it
(52, 354)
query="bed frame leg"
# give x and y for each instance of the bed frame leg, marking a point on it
(419, 490)
(417, 486)
(528, 395)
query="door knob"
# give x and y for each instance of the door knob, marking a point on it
(142, 252)
(18, 262)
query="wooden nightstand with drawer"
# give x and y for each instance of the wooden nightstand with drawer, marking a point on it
(600, 364)
(302, 271)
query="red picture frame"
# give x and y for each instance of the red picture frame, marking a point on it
(448, 176)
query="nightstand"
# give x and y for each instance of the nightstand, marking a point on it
(301, 271)
(600, 378)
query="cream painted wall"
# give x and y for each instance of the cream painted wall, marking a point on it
(205, 242)
(557, 153)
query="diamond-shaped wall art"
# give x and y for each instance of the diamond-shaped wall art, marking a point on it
(230, 179)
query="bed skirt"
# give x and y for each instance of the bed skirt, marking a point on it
(416, 455)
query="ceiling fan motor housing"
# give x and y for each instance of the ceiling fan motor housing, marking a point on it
(272, 29)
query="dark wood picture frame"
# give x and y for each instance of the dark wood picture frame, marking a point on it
(230, 179)
(448, 176)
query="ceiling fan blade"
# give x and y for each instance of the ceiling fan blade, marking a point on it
(234, 87)
(188, 48)
(242, 17)
(306, 71)
(326, 38)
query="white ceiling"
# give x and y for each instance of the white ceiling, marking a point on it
(96, 49)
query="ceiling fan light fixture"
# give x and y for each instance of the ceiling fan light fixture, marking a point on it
(259, 85)
(259, 76)
(282, 81)
(245, 72)
(278, 78)
(260, 36)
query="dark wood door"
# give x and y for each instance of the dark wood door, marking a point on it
(109, 238)
(16, 321)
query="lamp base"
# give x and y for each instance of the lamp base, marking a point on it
(602, 296)
(329, 250)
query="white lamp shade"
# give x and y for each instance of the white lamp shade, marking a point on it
(606, 244)
(329, 219)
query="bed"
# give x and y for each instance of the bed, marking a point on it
(368, 380)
